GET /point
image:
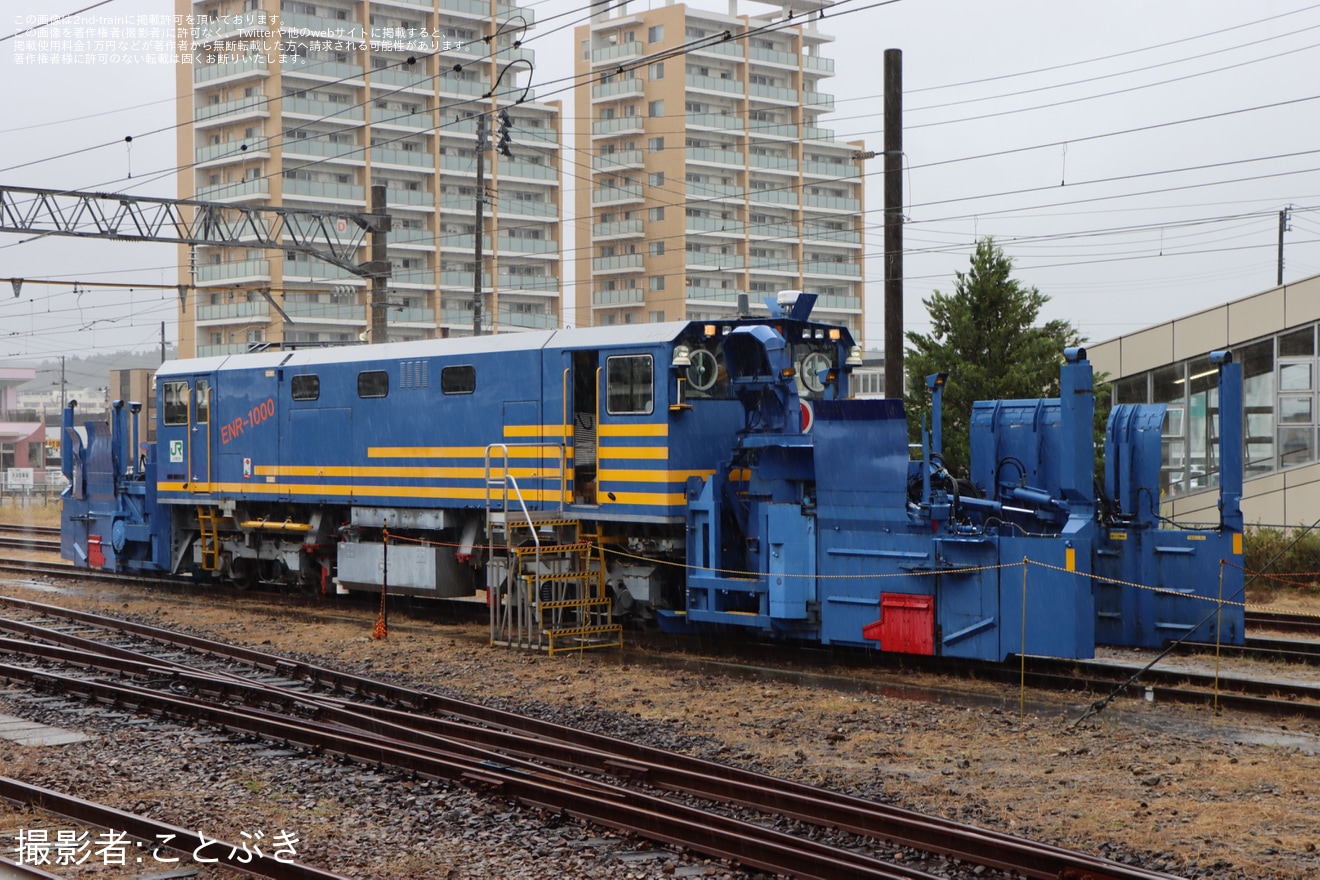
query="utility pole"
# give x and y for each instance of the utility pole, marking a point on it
(1283, 227)
(893, 223)
(379, 267)
(478, 262)
(63, 394)
(162, 342)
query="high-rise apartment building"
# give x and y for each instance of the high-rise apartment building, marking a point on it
(307, 105)
(710, 175)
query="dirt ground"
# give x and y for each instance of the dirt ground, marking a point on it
(1179, 789)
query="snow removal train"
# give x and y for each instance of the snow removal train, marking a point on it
(713, 475)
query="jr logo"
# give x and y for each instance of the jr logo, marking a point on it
(176, 451)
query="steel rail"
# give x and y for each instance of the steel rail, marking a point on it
(679, 772)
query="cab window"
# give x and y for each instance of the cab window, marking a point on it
(175, 396)
(629, 384)
(373, 383)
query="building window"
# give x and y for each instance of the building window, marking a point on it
(458, 380)
(656, 213)
(658, 70)
(657, 248)
(656, 145)
(657, 178)
(655, 33)
(373, 383)
(629, 385)
(657, 282)
(655, 108)
(307, 387)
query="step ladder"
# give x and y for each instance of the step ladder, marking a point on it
(545, 578)
(208, 538)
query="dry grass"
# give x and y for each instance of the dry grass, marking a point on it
(29, 512)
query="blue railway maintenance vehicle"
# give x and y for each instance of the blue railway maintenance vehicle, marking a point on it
(701, 475)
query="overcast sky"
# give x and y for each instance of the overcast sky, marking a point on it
(1131, 157)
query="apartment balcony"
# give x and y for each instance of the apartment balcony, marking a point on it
(230, 26)
(402, 315)
(240, 191)
(258, 310)
(204, 351)
(462, 281)
(227, 112)
(702, 156)
(774, 163)
(509, 168)
(539, 137)
(305, 267)
(331, 192)
(811, 133)
(450, 85)
(528, 320)
(612, 195)
(327, 111)
(628, 263)
(324, 150)
(714, 191)
(231, 152)
(771, 56)
(336, 28)
(529, 282)
(618, 89)
(627, 296)
(510, 54)
(816, 62)
(617, 229)
(409, 198)
(711, 294)
(522, 320)
(353, 313)
(773, 94)
(530, 246)
(715, 84)
(778, 231)
(724, 49)
(412, 238)
(818, 100)
(834, 270)
(720, 121)
(773, 130)
(406, 158)
(699, 259)
(402, 78)
(774, 265)
(234, 273)
(774, 196)
(514, 207)
(831, 169)
(420, 121)
(463, 243)
(620, 125)
(245, 68)
(423, 277)
(318, 69)
(412, 5)
(617, 161)
(832, 203)
(714, 226)
(614, 53)
(839, 302)
(843, 237)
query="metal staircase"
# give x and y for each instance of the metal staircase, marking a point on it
(545, 578)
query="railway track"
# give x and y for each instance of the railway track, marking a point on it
(663, 796)
(42, 538)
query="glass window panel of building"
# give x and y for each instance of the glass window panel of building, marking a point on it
(1281, 377)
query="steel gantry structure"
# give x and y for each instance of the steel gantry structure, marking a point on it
(332, 236)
